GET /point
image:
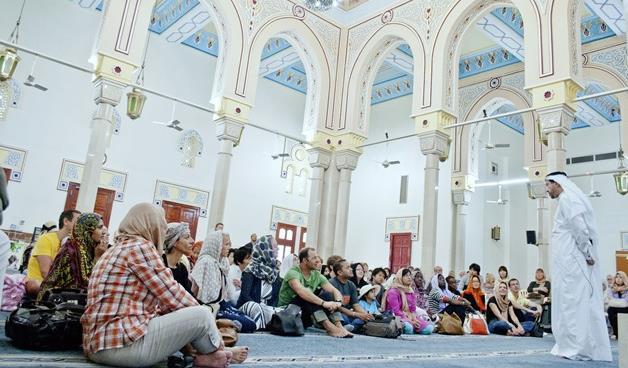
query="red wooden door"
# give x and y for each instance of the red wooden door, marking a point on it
(7, 174)
(286, 236)
(400, 250)
(103, 205)
(177, 212)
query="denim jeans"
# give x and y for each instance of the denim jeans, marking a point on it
(499, 327)
(356, 322)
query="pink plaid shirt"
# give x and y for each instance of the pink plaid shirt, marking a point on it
(129, 286)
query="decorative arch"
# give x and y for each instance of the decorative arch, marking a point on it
(230, 41)
(466, 137)
(368, 62)
(318, 114)
(445, 51)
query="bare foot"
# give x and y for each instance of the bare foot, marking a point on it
(340, 332)
(217, 359)
(509, 333)
(240, 353)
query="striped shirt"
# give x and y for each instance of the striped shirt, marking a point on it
(128, 287)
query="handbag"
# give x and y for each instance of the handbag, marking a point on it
(45, 326)
(450, 324)
(387, 326)
(63, 295)
(228, 331)
(475, 324)
(287, 322)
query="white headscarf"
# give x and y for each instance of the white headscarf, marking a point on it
(210, 271)
(286, 265)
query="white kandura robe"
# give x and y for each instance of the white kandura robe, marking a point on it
(578, 322)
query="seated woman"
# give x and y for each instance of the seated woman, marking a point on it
(442, 300)
(617, 300)
(489, 285)
(419, 290)
(261, 283)
(540, 285)
(400, 300)
(209, 277)
(73, 265)
(475, 295)
(178, 243)
(137, 314)
(358, 275)
(289, 261)
(500, 315)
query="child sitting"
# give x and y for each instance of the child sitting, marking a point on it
(367, 299)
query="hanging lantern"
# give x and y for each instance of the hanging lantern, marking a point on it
(621, 176)
(135, 103)
(8, 62)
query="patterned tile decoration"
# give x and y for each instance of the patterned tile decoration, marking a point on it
(485, 60)
(593, 28)
(293, 77)
(287, 216)
(402, 225)
(14, 159)
(169, 12)
(204, 41)
(181, 194)
(391, 89)
(514, 122)
(611, 12)
(72, 171)
(607, 106)
(511, 18)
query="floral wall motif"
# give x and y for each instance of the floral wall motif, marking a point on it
(14, 159)
(72, 171)
(181, 194)
(287, 216)
(402, 225)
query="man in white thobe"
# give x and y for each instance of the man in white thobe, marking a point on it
(578, 322)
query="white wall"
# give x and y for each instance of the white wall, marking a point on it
(54, 125)
(375, 190)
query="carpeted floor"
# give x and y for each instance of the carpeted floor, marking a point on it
(317, 350)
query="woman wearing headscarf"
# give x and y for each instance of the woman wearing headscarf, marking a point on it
(261, 283)
(137, 314)
(419, 290)
(178, 242)
(474, 294)
(73, 264)
(442, 300)
(289, 261)
(400, 300)
(209, 277)
(500, 315)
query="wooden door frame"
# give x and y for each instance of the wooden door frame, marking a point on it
(390, 249)
(183, 205)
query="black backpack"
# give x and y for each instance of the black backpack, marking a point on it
(287, 322)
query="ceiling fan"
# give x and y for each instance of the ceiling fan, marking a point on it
(277, 155)
(173, 123)
(30, 80)
(387, 163)
(499, 200)
(489, 145)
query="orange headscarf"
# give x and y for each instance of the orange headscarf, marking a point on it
(478, 294)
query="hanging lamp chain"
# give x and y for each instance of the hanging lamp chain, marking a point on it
(140, 75)
(15, 34)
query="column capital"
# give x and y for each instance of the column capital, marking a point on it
(232, 109)
(432, 121)
(555, 93)
(347, 159)
(344, 142)
(435, 142)
(461, 197)
(229, 129)
(463, 182)
(107, 91)
(319, 157)
(536, 189)
(556, 119)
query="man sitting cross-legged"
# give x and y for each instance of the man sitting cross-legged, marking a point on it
(298, 288)
(353, 315)
(525, 309)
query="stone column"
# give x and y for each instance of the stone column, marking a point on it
(320, 159)
(108, 95)
(536, 191)
(434, 140)
(228, 132)
(329, 206)
(461, 199)
(346, 162)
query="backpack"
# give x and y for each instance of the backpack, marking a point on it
(386, 325)
(287, 322)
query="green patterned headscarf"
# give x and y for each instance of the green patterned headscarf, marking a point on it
(73, 264)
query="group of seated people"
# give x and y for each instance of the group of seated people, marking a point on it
(155, 290)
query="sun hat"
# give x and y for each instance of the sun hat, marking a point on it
(364, 290)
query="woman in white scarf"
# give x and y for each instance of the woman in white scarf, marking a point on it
(289, 261)
(210, 271)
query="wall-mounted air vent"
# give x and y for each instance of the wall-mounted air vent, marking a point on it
(592, 158)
